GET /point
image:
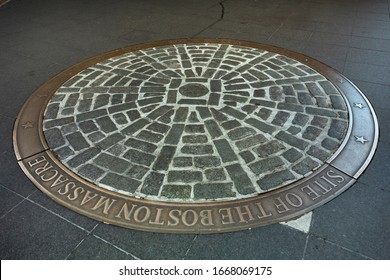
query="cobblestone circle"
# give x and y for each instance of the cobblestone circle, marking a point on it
(195, 122)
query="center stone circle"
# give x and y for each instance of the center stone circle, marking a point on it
(194, 90)
(195, 122)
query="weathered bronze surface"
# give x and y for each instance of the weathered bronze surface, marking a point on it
(289, 202)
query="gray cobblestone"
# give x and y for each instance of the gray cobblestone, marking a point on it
(184, 176)
(82, 157)
(319, 121)
(269, 148)
(141, 145)
(120, 182)
(280, 118)
(139, 157)
(241, 180)
(137, 172)
(91, 171)
(88, 126)
(300, 119)
(250, 141)
(195, 139)
(106, 124)
(225, 151)
(292, 140)
(176, 191)
(150, 136)
(292, 155)
(77, 141)
(215, 174)
(305, 166)
(275, 179)
(311, 133)
(337, 129)
(318, 153)
(213, 190)
(113, 163)
(194, 128)
(96, 136)
(64, 152)
(329, 144)
(152, 183)
(182, 162)
(207, 161)
(110, 141)
(247, 156)
(54, 138)
(164, 158)
(262, 126)
(174, 134)
(265, 165)
(197, 149)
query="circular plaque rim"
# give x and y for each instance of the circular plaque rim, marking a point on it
(337, 174)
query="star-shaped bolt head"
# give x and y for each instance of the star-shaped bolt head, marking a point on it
(359, 105)
(360, 139)
(27, 125)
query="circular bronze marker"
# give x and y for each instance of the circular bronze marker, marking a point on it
(200, 135)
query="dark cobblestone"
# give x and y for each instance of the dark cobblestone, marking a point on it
(110, 140)
(265, 103)
(164, 158)
(77, 141)
(225, 151)
(120, 182)
(241, 132)
(328, 87)
(83, 157)
(247, 156)
(321, 112)
(139, 157)
(137, 172)
(305, 98)
(141, 145)
(250, 141)
(294, 130)
(195, 139)
(158, 127)
(265, 165)
(319, 121)
(112, 163)
(197, 149)
(54, 138)
(215, 174)
(337, 129)
(182, 162)
(280, 118)
(275, 179)
(213, 128)
(88, 126)
(292, 155)
(338, 102)
(292, 140)
(91, 115)
(329, 144)
(262, 126)
(290, 107)
(174, 134)
(106, 124)
(300, 119)
(52, 111)
(311, 133)
(213, 190)
(318, 153)
(181, 115)
(64, 153)
(185, 176)
(96, 136)
(176, 191)
(231, 124)
(194, 128)
(241, 180)
(323, 102)
(91, 172)
(264, 113)
(120, 118)
(305, 166)
(269, 148)
(193, 118)
(133, 115)
(150, 136)
(117, 149)
(58, 122)
(233, 112)
(152, 183)
(207, 161)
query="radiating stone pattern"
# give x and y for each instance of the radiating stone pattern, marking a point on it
(195, 122)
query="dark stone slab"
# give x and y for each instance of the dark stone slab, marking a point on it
(152, 183)
(26, 235)
(213, 190)
(112, 163)
(120, 182)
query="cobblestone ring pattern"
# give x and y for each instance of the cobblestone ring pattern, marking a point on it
(195, 122)
(195, 136)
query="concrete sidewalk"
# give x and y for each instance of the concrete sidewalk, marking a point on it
(39, 39)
